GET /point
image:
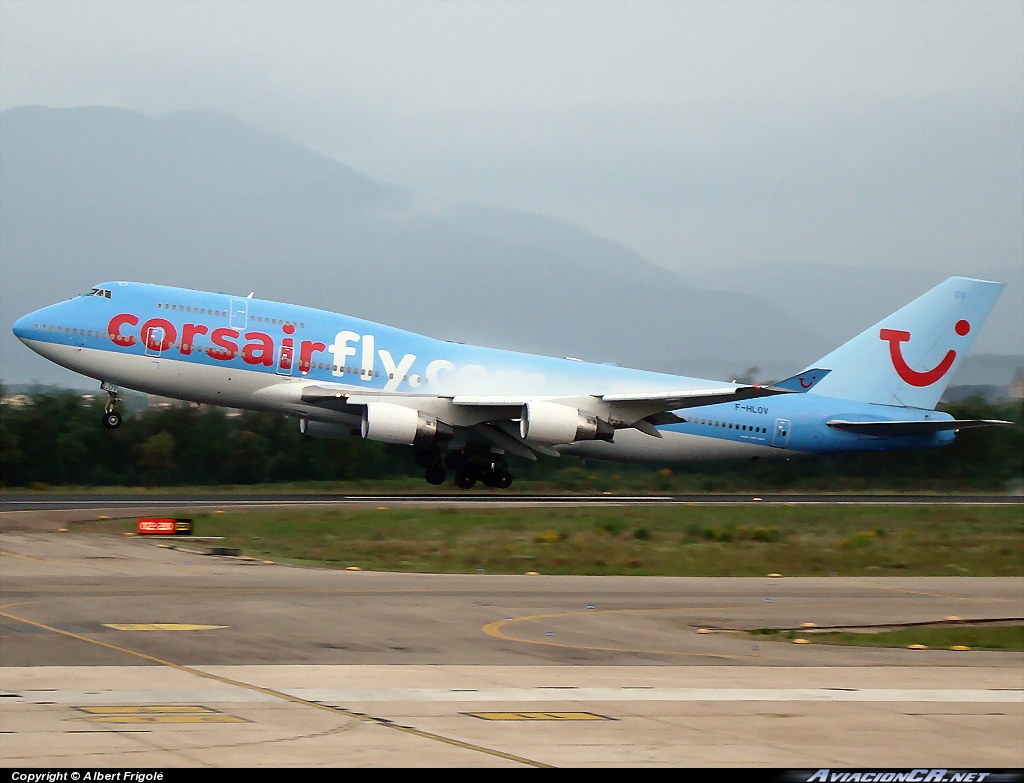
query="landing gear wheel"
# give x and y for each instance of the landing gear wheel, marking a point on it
(465, 479)
(425, 458)
(502, 479)
(435, 475)
(454, 460)
(111, 420)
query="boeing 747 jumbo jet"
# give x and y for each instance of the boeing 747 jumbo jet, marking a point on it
(341, 376)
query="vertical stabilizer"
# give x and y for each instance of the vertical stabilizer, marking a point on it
(909, 357)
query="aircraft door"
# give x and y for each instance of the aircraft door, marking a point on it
(781, 435)
(284, 360)
(239, 314)
(153, 339)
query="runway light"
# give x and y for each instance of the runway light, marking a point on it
(808, 625)
(960, 647)
(590, 606)
(767, 600)
(481, 570)
(801, 641)
(757, 498)
(755, 647)
(532, 573)
(353, 568)
(549, 634)
(703, 630)
(917, 646)
(953, 619)
(102, 517)
(62, 530)
(269, 562)
(775, 576)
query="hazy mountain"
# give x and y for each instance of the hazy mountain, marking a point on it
(204, 201)
(987, 369)
(842, 301)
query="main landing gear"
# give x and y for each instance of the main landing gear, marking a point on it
(111, 418)
(469, 467)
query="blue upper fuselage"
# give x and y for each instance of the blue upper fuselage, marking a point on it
(283, 340)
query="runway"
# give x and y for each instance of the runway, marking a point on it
(118, 652)
(201, 500)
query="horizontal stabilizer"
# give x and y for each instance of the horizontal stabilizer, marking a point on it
(920, 429)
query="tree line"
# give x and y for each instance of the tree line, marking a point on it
(56, 438)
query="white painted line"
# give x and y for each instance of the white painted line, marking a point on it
(509, 695)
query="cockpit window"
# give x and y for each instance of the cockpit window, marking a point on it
(103, 292)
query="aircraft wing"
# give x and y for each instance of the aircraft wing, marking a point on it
(493, 417)
(920, 429)
(695, 398)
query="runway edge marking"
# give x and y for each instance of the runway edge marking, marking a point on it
(287, 696)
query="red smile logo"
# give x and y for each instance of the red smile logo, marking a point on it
(911, 376)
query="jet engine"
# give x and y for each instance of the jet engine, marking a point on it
(323, 429)
(390, 423)
(549, 422)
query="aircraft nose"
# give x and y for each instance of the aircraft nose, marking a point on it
(25, 326)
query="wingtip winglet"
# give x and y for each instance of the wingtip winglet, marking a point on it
(803, 382)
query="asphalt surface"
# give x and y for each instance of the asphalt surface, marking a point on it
(56, 502)
(117, 651)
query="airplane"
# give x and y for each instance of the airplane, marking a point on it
(342, 376)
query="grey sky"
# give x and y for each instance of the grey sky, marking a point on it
(698, 134)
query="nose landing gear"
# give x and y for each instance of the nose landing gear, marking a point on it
(111, 418)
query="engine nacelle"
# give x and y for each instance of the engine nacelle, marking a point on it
(390, 423)
(323, 429)
(549, 422)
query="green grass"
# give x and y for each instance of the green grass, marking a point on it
(652, 540)
(999, 637)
